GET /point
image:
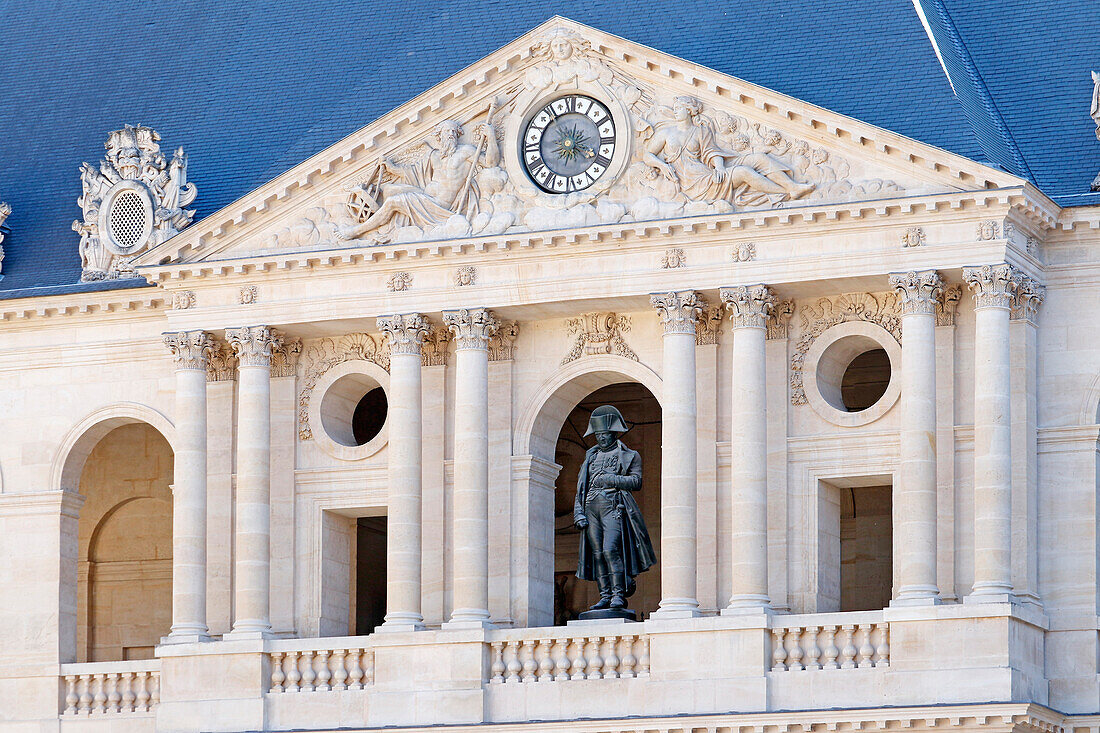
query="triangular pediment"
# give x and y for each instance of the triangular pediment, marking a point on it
(571, 127)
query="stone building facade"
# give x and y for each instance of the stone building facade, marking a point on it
(317, 475)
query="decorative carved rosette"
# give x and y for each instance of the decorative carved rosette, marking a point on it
(598, 333)
(254, 345)
(405, 333)
(323, 354)
(749, 305)
(1029, 295)
(502, 343)
(919, 291)
(191, 349)
(779, 319)
(994, 286)
(471, 327)
(679, 310)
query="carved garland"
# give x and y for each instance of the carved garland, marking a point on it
(881, 309)
(324, 354)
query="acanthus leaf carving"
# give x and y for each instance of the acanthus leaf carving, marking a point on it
(947, 305)
(191, 349)
(284, 358)
(254, 345)
(405, 333)
(134, 200)
(598, 333)
(434, 348)
(1029, 295)
(679, 310)
(471, 327)
(708, 329)
(749, 305)
(779, 319)
(502, 344)
(882, 309)
(222, 365)
(323, 354)
(919, 291)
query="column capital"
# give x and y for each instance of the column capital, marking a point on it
(254, 345)
(749, 305)
(471, 327)
(919, 290)
(679, 310)
(406, 332)
(993, 285)
(191, 349)
(1030, 294)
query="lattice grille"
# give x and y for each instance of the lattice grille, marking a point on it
(128, 219)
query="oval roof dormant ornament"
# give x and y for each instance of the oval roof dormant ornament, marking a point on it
(135, 200)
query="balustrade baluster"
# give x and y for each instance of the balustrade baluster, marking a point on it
(128, 696)
(309, 671)
(882, 647)
(355, 669)
(154, 690)
(794, 650)
(293, 672)
(114, 698)
(141, 702)
(498, 669)
(848, 651)
(643, 658)
(514, 665)
(339, 673)
(368, 670)
(324, 674)
(576, 658)
(546, 663)
(529, 663)
(595, 662)
(629, 660)
(85, 704)
(71, 698)
(813, 651)
(278, 677)
(866, 650)
(99, 702)
(779, 651)
(831, 652)
(561, 659)
(611, 659)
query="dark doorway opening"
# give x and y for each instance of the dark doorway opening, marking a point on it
(370, 574)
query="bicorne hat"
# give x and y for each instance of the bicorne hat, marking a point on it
(606, 419)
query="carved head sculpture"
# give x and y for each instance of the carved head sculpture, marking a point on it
(820, 156)
(447, 134)
(686, 108)
(126, 149)
(560, 44)
(740, 143)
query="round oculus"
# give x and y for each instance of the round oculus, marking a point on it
(568, 144)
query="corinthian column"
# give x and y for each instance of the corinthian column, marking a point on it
(191, 350)
(252, 526)
(915, 493)
(993, 287)
(472, 329)
(679, 458)
(406, 333)
(749, 306)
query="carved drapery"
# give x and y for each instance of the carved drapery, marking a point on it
(919, 291)
(598, 333)
(749, 305)
(254, 345)
(471, 327)
(994, 286)
(405, 333)
(322, 355)
(679, 310)
(191, 349)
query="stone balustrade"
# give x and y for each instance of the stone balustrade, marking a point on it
(110, 688)
(303, 666)
(521, 656)
(830, 641)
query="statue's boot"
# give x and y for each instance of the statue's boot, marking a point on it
(603, 582)
(617, 598)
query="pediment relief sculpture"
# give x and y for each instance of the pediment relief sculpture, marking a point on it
(134, 200)
(576, 141)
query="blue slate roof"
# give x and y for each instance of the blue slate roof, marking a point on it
(250, 89)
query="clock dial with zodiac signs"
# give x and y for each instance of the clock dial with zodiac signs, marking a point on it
(568, 144)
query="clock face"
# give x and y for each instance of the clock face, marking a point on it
(569, 144)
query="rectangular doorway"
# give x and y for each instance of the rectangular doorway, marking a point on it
(370, 574)
(855, 544)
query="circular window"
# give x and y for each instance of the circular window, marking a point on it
(348, 410)
(849, 373)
